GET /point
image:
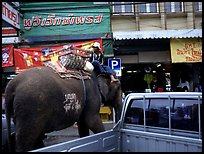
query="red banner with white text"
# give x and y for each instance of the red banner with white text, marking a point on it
(27, 58)
(7, 56)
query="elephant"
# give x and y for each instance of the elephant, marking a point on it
(40, 101)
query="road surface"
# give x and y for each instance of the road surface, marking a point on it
(69, 134)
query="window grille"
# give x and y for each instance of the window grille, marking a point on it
(149, 8)
(198, 6)
(172, 7)
(122, 7)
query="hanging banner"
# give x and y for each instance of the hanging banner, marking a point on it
(26, 58)
(186, 50)
(32, 57)
(87, 45)
(7, 56)
(50, 52)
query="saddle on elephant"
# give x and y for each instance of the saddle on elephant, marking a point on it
(71, 63)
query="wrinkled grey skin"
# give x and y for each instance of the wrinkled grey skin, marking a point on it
(41, 102)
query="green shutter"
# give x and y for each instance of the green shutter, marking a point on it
(108, 48)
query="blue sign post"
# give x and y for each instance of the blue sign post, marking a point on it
(115, 64)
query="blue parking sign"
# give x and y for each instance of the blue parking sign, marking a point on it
(115, 64)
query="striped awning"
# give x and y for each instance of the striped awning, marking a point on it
(158, 34)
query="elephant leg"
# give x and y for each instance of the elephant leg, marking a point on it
(28, 141)
(40, 143)
(95, 123)
(82, 128)
(28, 135)
(83, 131)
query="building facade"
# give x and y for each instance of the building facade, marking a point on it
(150, 39)
(48, 24)
(10, 38)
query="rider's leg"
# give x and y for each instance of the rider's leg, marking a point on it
(110, 72)
(98, 67)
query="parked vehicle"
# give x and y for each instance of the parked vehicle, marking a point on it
(150, 122)
(4, 145)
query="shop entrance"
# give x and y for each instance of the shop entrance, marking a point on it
(160, 77)
(145, 78)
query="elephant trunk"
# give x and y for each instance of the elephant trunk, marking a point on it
(118, 107)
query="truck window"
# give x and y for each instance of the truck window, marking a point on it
(135, 112)
(156, 111)
(183, 113)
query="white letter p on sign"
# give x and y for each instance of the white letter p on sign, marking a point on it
(114, 63)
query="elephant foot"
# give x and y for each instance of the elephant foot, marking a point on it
(113, 79)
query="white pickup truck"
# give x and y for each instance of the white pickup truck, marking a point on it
(150, 122)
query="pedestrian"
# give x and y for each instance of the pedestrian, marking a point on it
(97, 60)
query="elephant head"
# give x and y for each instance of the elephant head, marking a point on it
(111, 94)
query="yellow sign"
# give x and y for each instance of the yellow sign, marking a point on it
(186, 50)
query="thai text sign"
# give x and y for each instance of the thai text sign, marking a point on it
(53, 20)
(186, 50)
(10, 15)
(65, 22)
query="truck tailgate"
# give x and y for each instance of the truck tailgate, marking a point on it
(100, 142)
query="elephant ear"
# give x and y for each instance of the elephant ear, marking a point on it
(103, 83)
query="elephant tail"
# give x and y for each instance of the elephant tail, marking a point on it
(9, 97)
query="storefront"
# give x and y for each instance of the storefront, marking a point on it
(51, 24)
(148, 56)
(10, 39)
(54, 23)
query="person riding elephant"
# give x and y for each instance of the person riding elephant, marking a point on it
(41, 101)
(97, 60)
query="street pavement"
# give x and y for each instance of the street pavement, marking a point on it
(68, 134)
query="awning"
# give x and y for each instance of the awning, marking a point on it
(158, 34)
(74, 37)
